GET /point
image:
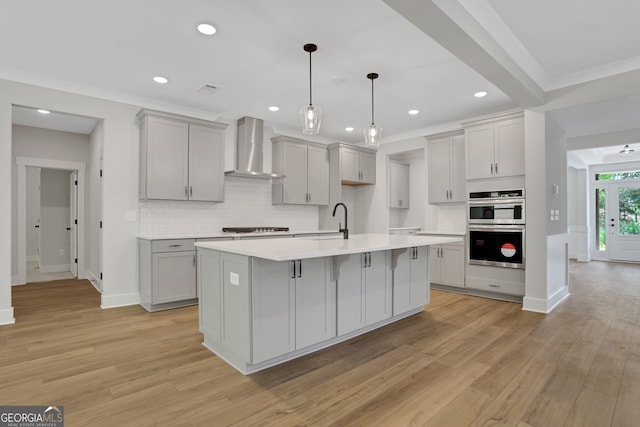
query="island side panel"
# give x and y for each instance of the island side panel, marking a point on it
(236, 304)
(402, 292)
(210, 293)
(378, 289)
(420, 284)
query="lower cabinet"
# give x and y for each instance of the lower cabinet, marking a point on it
(410, 278)
(293, 305)
(167, 273)
(447, 264)
(364, 289)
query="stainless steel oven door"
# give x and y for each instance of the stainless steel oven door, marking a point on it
(497, 245)
(496, 211)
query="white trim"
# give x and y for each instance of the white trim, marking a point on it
(61, 268)
(6, 317)
(14, 281)
(122, 300)
(97, 283)
(22, 163)
(538, 305)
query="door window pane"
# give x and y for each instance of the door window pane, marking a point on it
(629, 208)
(601, 223)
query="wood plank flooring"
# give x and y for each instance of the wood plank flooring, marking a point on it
(464, 361)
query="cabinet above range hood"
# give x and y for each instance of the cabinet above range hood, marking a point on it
(249, 150)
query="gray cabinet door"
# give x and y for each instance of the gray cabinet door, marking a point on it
(315, 302)
(509, 136)
(420, 277)
(377, 288)
(367, 163)
(173, 277)
(350, 301)
(318, 175)
(439, 170)
(273, 302)
(294, 190)
(456, 170)
(350, 165)
(452, 264)
(398, 185)
(167, 159)
(480, 151)
(206, 164)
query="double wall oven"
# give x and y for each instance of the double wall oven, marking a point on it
(496, 228)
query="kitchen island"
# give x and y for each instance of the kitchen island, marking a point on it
(264, 302)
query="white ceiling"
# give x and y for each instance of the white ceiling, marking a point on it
(112, 49)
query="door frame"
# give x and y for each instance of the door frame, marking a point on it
(22, 163)
(613, 211)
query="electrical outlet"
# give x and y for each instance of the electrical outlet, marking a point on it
(130, 216)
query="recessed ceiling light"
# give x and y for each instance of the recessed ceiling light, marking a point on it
(414, 112)
(207, 29)
(480, 94)
(43, 111)
(274, 108)
(161, 80)
(349, 129)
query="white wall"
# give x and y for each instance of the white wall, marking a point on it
(33, 212)
(54, 220)
(43, 144)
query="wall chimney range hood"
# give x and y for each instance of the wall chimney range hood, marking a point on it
(249, 150)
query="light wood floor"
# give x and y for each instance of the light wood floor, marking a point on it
(464, 361)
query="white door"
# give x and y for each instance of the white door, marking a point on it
(73, 223)
(624, 221)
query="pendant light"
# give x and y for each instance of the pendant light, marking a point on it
(372, 134)
(310, 116)
(626, 150)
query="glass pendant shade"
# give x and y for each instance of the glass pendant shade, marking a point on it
(626, 150)
(372, 136)
(310, 116)
(310, 119)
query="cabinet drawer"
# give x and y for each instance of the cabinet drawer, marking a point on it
(172, 245)
(493, 285)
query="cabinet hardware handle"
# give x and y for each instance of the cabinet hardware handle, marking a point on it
(190, 191)
(175, 246)
(364, 260)
(491, 168)
(496, 169)
(186, 191)
(299, 268)
(494, 286)
(194, 260)
(369, 258)
(293, 275)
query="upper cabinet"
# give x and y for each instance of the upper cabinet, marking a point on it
(495, 148)
(306, 169)
(446, 168)
(357, 164)
(398, 185)
(181, 158)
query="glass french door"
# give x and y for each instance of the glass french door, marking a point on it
(623, 222)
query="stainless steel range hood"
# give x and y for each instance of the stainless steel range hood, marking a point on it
(249, 150)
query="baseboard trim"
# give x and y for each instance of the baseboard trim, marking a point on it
(55, 268)
(121, 300)
(15, 281)
(6, 317)
(545, 306)
(97, 283)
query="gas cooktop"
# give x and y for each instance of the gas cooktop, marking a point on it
(253, 229)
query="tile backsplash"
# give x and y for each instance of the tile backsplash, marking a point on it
(247, 202)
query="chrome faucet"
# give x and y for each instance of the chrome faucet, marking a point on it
(345, 230)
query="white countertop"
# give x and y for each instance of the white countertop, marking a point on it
(310, 247)
(220, 234)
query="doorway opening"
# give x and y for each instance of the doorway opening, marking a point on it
(51, 219)
(617, 215)
(59, 227)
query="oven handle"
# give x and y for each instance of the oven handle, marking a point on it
(504, 201)
(496, 227)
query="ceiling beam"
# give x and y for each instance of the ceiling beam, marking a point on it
(607, 139)
(451, 25)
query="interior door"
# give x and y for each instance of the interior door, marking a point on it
(624, 221)
(73, 226)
